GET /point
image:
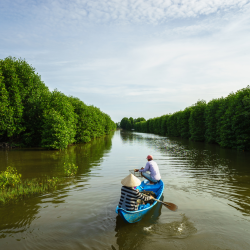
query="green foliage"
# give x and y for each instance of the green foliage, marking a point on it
(212, 120)
(27, 188)
(172, 125)
(54, 131)
(9, 178)
(139, 119)
(184, 122)
(70, 169)
(226, 137)
(225, 121)
(33, 116)
(11, 84)
(163, 124)
(126, 123)
(235, 124)
(6, 111)
(59, 122)
(197, 121)
(131, 123)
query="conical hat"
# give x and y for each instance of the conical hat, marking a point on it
(131, 181)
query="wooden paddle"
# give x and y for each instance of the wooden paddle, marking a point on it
(169, 205)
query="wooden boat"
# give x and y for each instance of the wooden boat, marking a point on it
(135, 216)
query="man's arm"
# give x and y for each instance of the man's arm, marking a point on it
(143, 169)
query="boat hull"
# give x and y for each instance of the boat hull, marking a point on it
(135, 216)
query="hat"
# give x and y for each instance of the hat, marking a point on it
(131, 181)
(149, 157)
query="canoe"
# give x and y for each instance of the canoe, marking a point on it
(135, 216)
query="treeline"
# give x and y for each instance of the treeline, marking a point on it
(129, 123)
(31, 115)
(225, 121)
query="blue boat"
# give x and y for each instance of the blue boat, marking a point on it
(135, 216)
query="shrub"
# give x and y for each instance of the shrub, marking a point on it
(10, 177)
(55, 132)
(70, 169)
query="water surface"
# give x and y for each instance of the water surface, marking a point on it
(210, 185)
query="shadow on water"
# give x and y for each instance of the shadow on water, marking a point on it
(132, 236)
(38, 163)
(137, 235)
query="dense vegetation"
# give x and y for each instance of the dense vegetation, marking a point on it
(225, 121)
(129, 123)
(31, 115)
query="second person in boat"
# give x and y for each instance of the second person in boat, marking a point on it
(153, 168)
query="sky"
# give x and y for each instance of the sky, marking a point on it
(142, 58)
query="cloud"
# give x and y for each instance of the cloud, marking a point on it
(132, 56)
(78, 12)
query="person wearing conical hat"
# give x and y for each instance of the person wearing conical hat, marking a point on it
(129, 195)
(153, 168)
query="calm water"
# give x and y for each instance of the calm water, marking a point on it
(210, 185)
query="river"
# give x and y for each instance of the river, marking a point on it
(210, 185)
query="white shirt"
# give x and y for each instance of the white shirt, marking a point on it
(154, 170)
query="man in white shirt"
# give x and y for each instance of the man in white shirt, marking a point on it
(153, 168)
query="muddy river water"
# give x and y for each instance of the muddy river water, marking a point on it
(210, 185)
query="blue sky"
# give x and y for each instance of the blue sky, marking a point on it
(132, 58)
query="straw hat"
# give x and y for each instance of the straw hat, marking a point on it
(131, 181)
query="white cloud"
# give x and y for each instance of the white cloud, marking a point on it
(121, 11)
(134, 56)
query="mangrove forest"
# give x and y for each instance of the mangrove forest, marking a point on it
(223, 121)
(31, 115)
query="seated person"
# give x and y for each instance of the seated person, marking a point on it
(152, 167)
(129, 195)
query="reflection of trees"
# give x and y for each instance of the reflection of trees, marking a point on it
(15, 219)
(40, 162)
(85, 156)
(18, 217)
(128, 136)
(132, 236)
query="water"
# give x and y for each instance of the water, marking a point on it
(210, 185)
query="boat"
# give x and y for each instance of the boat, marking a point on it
(137, 215)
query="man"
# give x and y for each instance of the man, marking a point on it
(152, 167)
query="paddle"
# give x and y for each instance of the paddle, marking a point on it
(169, 205)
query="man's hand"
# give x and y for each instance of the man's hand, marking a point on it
(151, 197)
(136, 170)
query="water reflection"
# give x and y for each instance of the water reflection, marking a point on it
(39, 162)
(209, 184)
(216, 171)
(16, 218)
